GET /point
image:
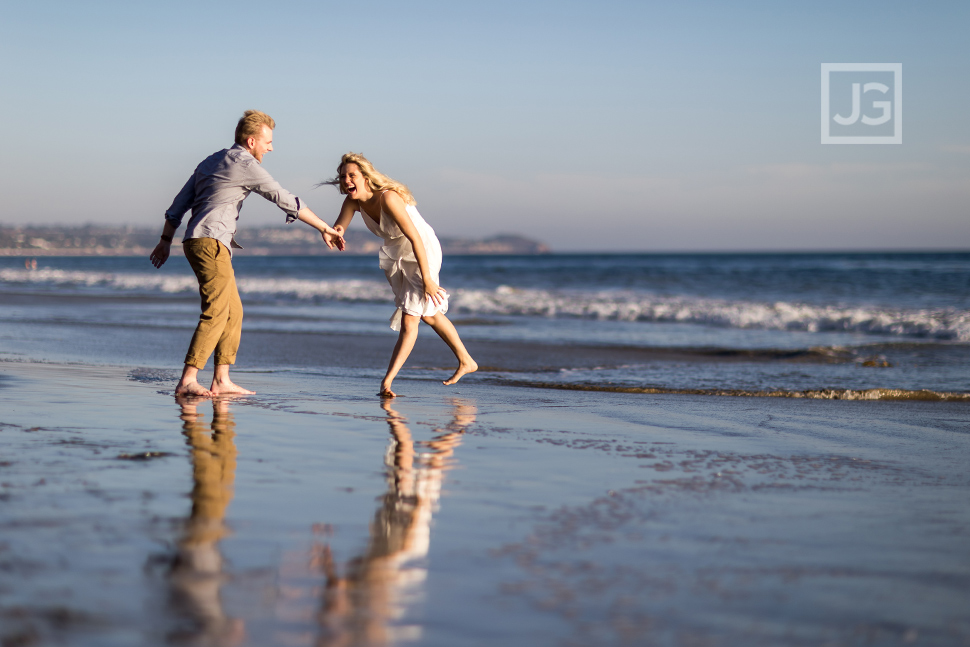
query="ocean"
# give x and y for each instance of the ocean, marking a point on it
(825, 325)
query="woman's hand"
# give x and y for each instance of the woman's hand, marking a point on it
(434, 292)
(333, 238)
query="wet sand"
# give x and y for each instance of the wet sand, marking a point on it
(311, 514)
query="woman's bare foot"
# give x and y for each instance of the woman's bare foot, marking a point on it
(228, 387)
(192, 388)
(463, 369)
(386, 391)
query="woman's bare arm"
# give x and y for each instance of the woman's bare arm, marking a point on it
(396, 208)
(347, 211)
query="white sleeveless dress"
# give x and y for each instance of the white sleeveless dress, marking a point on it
(401, 267)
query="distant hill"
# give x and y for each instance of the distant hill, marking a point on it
(295, 240)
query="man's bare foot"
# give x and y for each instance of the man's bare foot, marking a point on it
(192, 388)
(228, 387)
(463, 369)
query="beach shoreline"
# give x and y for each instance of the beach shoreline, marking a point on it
(517, 515)
(805, 326)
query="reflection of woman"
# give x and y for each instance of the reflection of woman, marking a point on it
(360, 606)
(197, 569)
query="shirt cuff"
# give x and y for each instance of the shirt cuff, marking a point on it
(291, 217)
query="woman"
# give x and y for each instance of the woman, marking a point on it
(410, 258)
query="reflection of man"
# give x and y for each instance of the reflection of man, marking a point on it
(196, 575)
(215, 194)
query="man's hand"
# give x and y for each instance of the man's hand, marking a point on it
(160, 254)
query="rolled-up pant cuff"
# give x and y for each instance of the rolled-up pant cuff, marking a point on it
(198, 362)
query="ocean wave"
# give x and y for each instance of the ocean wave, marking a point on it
(47, 277)
(305, 289)
(931, 323)
(278, 288)
(941, 323)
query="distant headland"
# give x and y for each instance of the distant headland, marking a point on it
(99, 240)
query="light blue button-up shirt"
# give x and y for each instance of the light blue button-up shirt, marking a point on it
(216, 191)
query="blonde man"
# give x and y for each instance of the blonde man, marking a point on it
(215, 194)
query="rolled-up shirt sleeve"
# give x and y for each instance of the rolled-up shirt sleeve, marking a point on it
(182, 203)
(264, 184)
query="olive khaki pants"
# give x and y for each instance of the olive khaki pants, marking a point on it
(220, 324)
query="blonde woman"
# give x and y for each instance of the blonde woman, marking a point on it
(410, 258)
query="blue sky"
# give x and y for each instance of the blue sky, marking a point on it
(590, 126)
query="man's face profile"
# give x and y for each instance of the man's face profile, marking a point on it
(261, 144)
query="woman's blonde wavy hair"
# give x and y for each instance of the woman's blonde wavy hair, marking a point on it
(375, 179)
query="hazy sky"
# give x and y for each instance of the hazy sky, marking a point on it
(587, 125)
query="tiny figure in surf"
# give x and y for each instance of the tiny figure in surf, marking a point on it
(410, 258)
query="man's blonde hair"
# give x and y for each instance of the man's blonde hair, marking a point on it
(251, 125)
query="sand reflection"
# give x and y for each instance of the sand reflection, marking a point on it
(366, 600)
(197, 570)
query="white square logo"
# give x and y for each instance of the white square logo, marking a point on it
(862, 103)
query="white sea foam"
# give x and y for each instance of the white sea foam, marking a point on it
(940, 323)
(932, 323)
(109, 280)
(282, 288)
(306, 289)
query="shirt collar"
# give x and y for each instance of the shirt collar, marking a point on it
(239, 149)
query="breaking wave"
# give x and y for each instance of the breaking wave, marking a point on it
(931, 323)
(278, 288)
(940, 323)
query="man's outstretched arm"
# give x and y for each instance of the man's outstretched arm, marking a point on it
(263, 183)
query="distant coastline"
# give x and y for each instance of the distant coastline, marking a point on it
(96, 240)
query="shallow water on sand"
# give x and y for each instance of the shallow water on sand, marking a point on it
(314, 514)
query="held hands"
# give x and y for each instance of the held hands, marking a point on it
(333, 238)
(160, 254)
(434, 292)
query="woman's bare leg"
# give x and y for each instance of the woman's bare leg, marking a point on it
(446, 330)
(405, 343)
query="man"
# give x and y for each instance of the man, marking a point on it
(215, 194)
